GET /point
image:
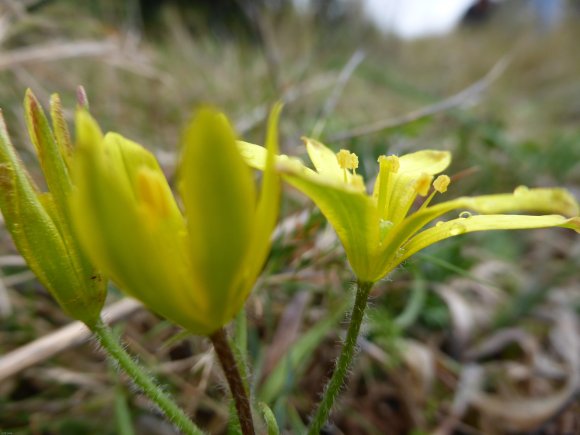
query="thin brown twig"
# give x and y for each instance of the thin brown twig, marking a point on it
(58, 341)
(448, 103)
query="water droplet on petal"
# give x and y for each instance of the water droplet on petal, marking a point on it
(384, 227)
(438, 224)
(465, 214)
(521, 190)
(457, 229)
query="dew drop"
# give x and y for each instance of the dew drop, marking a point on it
(521, 190)
(457, 229)
(384, 227)
(385, 224)
(464, 215)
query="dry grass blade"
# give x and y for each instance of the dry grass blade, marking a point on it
(5, 304)
(469, 384)
(69, 336)
(524, 414)
(288, 330)
(55, 51)
(501, 340)
(12, 261)
(456, 100)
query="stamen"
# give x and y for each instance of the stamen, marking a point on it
(391, 163)
(388, 165)
(423, 183)
(441, 183)
(347, 160)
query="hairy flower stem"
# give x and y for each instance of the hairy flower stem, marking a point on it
(143, 380)
(224, 352)
(344, 361)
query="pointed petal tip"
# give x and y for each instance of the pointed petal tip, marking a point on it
(88, 131)
(272, 143)
(567, 202)
(429, 161)
(31, 105)
(82, 99)
(28, 94)
(574, 224)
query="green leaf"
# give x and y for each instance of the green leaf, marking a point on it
(293, 364)
(269, 418)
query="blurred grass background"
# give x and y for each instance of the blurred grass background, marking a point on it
(497, 302)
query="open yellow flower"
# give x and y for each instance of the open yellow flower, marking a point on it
(379, 231)
(40, 222)
(196, 268)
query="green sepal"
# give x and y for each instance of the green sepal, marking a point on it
(49, 153)
(31, 218)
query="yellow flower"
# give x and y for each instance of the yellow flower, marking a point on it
(40, 222)
(379, 231)
(196, 268)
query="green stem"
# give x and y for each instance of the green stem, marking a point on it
(344, 360)
(227, 360)
(143, 380)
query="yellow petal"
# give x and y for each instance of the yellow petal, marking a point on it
(353, 215)
(218, 193)
(548, 201)
(254, 155)
(413, 169)
(523, 199)
(118, 187)
(267, 210)
(429, 161)
(324, 160)
(126, 159)
(460, 226)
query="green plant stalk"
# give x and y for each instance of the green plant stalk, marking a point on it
(344, 361)
(237, 386)
(143, 380)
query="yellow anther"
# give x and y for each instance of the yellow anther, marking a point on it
(151, 191)
(441, 183)
(423, 183)
(347, 160)
(391, 163)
